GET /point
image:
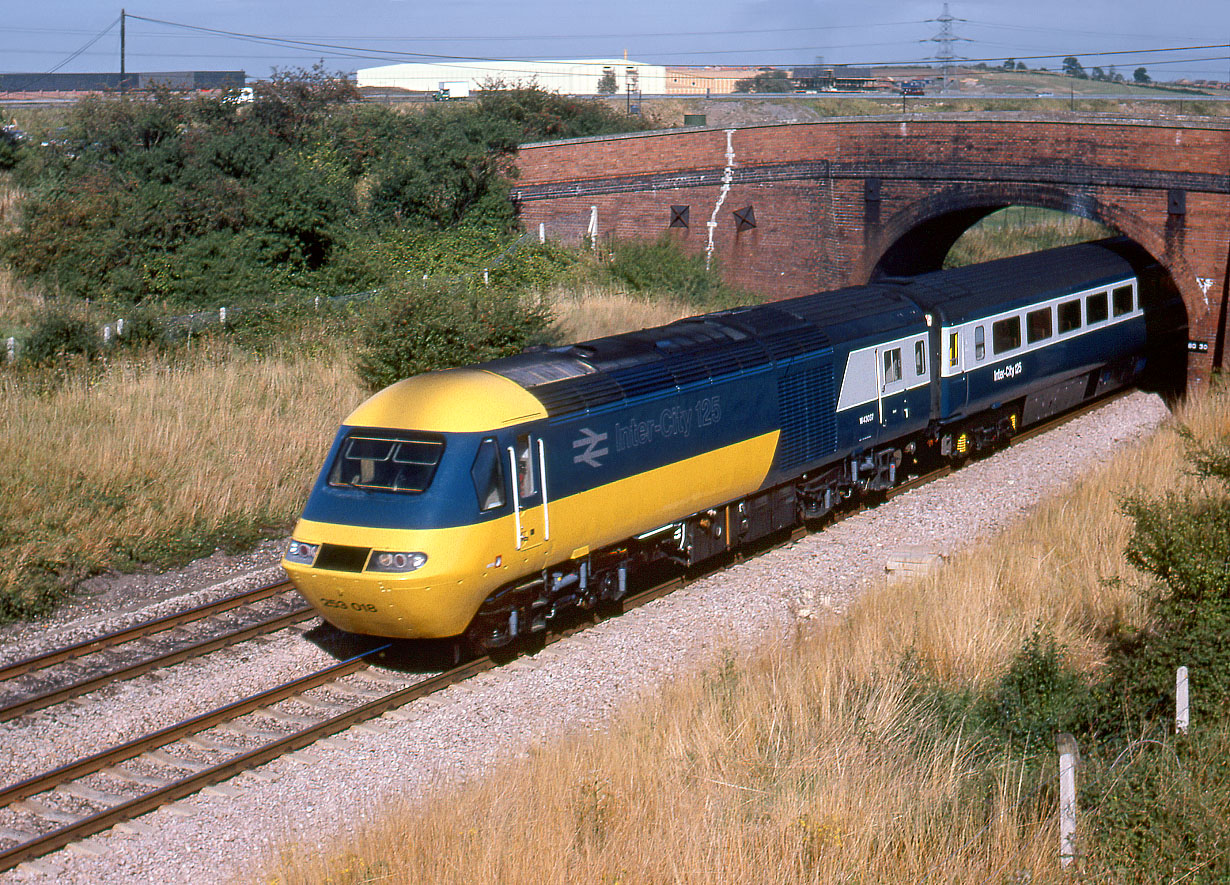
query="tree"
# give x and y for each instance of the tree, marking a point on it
(1021, 66)
(1099, 74)
(607, 84)
(1142, 76)
(765, 81)
(1074, 68)
(1009, 64)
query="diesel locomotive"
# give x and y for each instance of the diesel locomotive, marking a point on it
(484, 501)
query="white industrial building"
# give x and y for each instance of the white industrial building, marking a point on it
(566, 77)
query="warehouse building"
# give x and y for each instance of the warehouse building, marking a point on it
(706, 80)
(579, 77)
(61, 82)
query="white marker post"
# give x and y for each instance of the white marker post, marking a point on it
(11, 349)
(222, 315)
(1182, 712)
(592, 230)
(1067, 798)
(542, 231)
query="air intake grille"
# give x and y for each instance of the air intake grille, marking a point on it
(809, 423)
(339, 558)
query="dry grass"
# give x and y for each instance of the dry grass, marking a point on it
(1020, 229)
(594, 311)
(146, 460)
(811, 763)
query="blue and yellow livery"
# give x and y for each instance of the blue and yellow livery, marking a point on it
(483, 501)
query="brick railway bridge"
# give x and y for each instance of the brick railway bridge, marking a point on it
(790, 209)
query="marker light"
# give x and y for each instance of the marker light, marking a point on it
(396, 562)
(304, 554)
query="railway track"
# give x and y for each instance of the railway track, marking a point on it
(62, 674)
(96, 792)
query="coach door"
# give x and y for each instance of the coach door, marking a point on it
(531, 503)
(892, 383)
(955, 384)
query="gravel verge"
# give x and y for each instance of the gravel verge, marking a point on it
(577, 684)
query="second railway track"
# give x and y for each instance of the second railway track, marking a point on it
(50, 678)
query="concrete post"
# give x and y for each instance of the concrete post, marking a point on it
(1067, 798)
(1182, 713)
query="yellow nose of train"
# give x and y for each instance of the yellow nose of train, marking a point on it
(408, 527)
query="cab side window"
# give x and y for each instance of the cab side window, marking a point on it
(980, 342)
(920, 358)
(525, 466)
(488, 475)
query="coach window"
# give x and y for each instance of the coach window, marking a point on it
(1069, 316)
(954, 353)
(488, 474)
(1121, 300)
(1038, 325)
(525, 466)
(892, 365)
(980, 342)
(1006, 334)
(1095, 308)
(920, 358)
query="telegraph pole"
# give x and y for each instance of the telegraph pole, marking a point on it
(123, 48)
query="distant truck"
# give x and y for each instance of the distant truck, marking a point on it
(452, 90)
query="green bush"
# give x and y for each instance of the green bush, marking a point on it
(424, 328)
(1159, 811)
(1183, 542)
(540, 115)
(663, 268)
(1039, 695)
(57, 336)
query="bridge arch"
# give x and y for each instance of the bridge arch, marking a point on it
(918, 237)
(789, 209)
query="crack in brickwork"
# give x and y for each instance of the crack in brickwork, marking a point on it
(728, 176)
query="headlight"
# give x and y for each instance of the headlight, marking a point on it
(396, 562)
(304, 554)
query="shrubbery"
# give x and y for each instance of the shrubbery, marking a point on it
(662, 267)
(421, 329)
(199, 202)
(58, 336)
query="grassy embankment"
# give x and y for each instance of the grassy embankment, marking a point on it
(855, 755)
(155, 458)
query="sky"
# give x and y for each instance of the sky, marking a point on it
(171, 35)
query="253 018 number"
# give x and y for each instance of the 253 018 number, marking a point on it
(353, 606)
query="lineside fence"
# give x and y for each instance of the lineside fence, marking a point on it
(566, 231)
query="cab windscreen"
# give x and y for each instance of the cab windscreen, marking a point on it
(386, 462)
